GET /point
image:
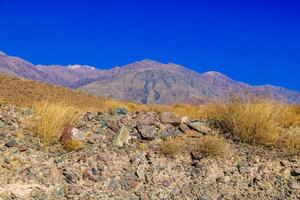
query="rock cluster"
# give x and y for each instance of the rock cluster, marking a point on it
(121, 160)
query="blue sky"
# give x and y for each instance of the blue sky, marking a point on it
(257, 42)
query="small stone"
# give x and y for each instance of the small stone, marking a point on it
(22, 148)
(295, 172)
(121, 111)
(294, 185)
(144, 197)
(166, 183)
(71, 134)
(88, 175)
(140, 172)
(122, 137)
(11, 143)
(243, 169)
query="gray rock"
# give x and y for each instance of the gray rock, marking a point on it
(121, 111)
(200, 126)
(11, 143)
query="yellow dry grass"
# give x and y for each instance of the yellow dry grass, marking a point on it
(74, 145)
(53, 117)
(207, 146)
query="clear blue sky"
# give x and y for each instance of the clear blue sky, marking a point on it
(255, 42)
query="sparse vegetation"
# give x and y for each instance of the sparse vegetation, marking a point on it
(73, 145)
(206, 146)
(253, 120)
(53, 118)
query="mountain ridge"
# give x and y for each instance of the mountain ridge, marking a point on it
(145, 81)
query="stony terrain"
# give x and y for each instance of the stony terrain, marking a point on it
(146, 81)
(121, 160)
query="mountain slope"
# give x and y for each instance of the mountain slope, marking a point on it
(145, 81)
(152, 82)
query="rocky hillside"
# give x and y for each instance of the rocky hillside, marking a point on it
(146, 81)
(122, 160)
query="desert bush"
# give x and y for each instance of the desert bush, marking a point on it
(253, 120)
(210, 146)
(53, 117)
(206, 146)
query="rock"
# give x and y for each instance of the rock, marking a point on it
(183, 128)
(121, 111)
(243, 169)
(169, 118)
(140, 172)
(295, 172)
(71, 134)
(294, 185)
(169, 131)
(21, 191)
(148, 120)
(22, 148)
(200, 126)
(122, 137)
(88, 174)
(166, 183)
(184, 120)
(11, 143)
(147, 132)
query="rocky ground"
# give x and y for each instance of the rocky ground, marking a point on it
(121, 160)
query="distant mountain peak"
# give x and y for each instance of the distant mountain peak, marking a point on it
(80, 66)
(148, 61)
(2, 53)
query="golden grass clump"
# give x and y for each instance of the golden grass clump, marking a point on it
(253, 120)
(211, 145)
(205, 146)
(74, 145)
(53, 117)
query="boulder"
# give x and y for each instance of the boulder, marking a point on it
(200, 126)
(169, 118)
(147, 132)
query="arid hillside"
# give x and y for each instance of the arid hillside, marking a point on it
(23, 92)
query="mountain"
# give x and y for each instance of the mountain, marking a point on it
(149, 81)
(146, 81)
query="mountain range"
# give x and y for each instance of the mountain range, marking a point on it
(145, 81)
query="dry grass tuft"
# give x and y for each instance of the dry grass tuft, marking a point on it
(206, 146)
(74, 145)
(253, 120)
(211, 146)
(53, 118)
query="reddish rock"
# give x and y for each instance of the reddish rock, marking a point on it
(71, 133)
